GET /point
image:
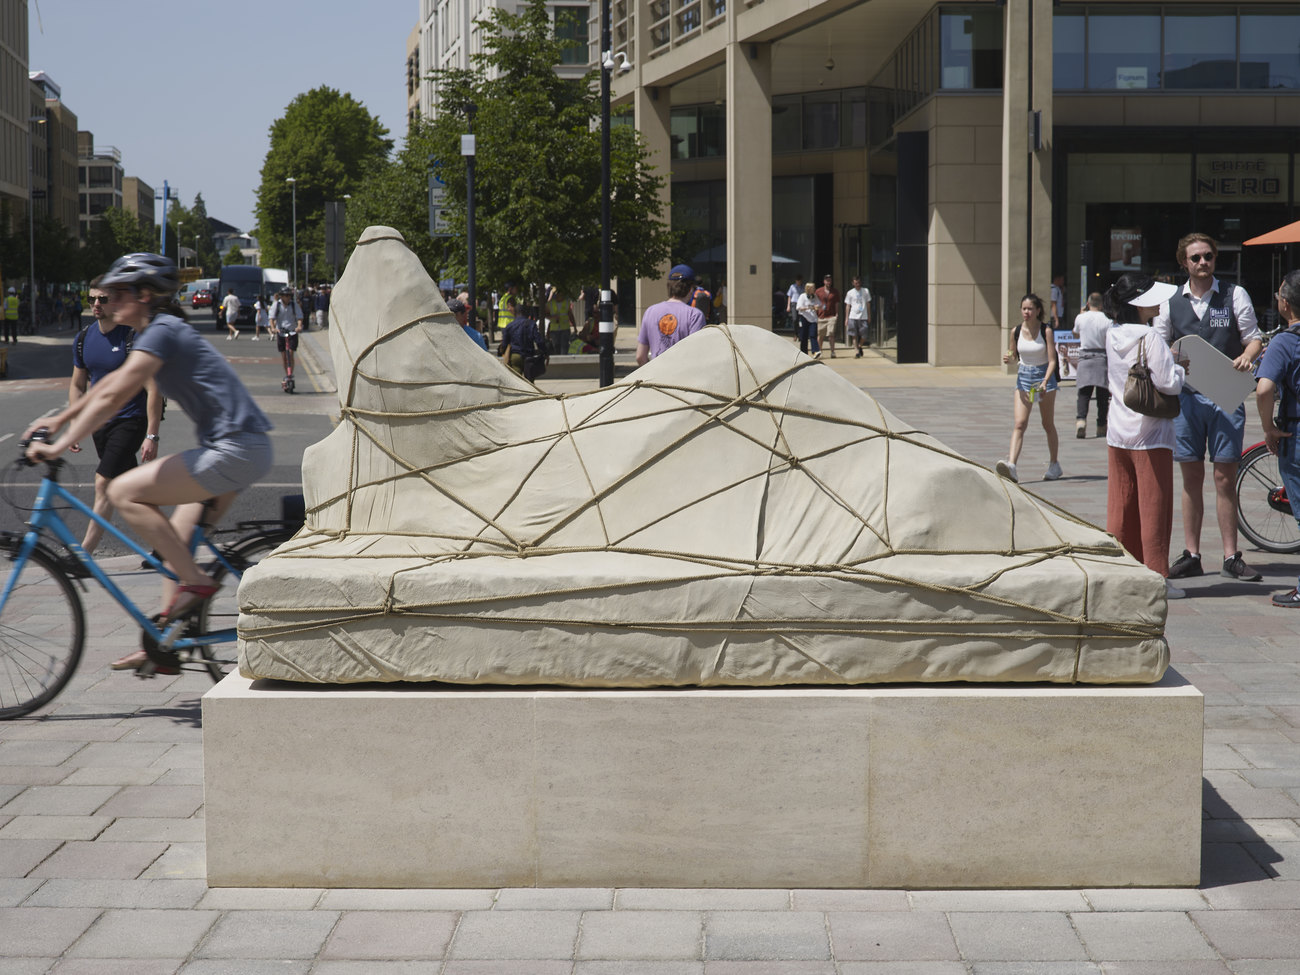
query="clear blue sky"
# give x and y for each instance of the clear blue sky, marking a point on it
(188, 90)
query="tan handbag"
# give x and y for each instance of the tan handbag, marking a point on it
(1141, 395)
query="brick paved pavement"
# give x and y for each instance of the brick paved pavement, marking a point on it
(101, 841)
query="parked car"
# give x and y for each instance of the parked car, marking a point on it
(202, 298)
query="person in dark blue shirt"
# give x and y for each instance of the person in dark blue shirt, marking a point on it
(97, 350)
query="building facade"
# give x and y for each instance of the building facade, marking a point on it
(899, 141)
(100, 180)
(449, 36)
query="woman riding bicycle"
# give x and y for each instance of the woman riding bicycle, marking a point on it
(234, 450)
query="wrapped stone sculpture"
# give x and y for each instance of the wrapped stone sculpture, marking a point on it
(733, 513)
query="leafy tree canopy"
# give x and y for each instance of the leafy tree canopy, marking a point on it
(537, 185)
(330, 144)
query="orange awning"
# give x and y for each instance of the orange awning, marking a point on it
(1290, 234)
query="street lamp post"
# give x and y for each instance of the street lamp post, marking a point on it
(467, 149)
(293, 185)
(31, 220)
(607, 67)
(606, 346)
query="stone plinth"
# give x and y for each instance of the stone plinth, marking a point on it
(886, 786)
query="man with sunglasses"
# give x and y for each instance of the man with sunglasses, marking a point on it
(99, 349)
(1222, 314)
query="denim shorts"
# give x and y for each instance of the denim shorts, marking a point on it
(1029, 376)
(230, 464)
(1201, 424)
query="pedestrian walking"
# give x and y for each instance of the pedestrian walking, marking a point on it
(1033, 346)
(1091, 325)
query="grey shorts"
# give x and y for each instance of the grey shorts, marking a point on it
(231, 463)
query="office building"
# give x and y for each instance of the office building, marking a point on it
(899, 140)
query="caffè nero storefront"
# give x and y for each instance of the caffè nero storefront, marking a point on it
(1123, 200)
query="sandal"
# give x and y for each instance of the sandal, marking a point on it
(187, 599)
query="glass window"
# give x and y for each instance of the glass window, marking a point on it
(853, 118)
(787, 123)
(1124, 49)
(1067, 48)
(684, 133)
(712, 130)
(571, 32)
(821, 121)
(970, 52)
(1270, 50)
(1201, 48)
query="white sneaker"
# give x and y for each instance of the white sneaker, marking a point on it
(254, 338)
(1053, 472)
(1007, 470)
(229, 336)
(1173, 592)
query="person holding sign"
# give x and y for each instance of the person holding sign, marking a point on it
(1221, 313)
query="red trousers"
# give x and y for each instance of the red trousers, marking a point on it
(1140, 503)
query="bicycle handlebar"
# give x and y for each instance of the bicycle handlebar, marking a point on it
(39, 435)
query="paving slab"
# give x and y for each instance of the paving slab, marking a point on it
(1252, 934)
(393, 935)
(144, 933)
(687, 899)
(1150, 936)
(45, 932)
(916, 936)
(267, 934)
(756, 936)
(642, 935)
(516, 935)
(162, 894)
(99, 860)
(1016, 936)
(555, 899)
(351, 899)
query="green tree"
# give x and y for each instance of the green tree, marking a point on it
(330, 145)
(537, 179)
(233, 256)
(115, 233)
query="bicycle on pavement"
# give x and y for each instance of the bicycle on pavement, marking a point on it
(43, 621)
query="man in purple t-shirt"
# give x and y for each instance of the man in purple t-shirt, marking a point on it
(665, 324)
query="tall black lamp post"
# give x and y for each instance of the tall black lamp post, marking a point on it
(607, 67)
(467, 150)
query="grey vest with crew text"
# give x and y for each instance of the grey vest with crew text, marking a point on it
(1218, 327)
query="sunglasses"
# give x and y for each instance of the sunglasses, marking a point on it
(99, 299)
(1198, 258)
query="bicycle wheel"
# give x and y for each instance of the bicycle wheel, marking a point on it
(42, 630)
(221, 612)
(1259, 520)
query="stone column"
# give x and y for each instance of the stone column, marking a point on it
(651, 108)
(749, 184)
(1026, 175)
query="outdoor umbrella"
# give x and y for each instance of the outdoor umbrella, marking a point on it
(1290, 234)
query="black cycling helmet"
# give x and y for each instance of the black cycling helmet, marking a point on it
(152, 271)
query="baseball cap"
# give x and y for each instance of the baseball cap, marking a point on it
(1157, 294)
(681, 272)
(456, 306)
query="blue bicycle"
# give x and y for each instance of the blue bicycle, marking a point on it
(43, 623)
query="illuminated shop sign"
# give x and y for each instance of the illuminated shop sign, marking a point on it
(1241, 179)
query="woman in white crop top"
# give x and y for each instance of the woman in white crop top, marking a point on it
(1033, 344)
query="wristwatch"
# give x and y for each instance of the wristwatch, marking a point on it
(151, 436)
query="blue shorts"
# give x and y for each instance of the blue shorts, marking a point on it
(1030, 376)
(231, 463)
(1201, 424)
